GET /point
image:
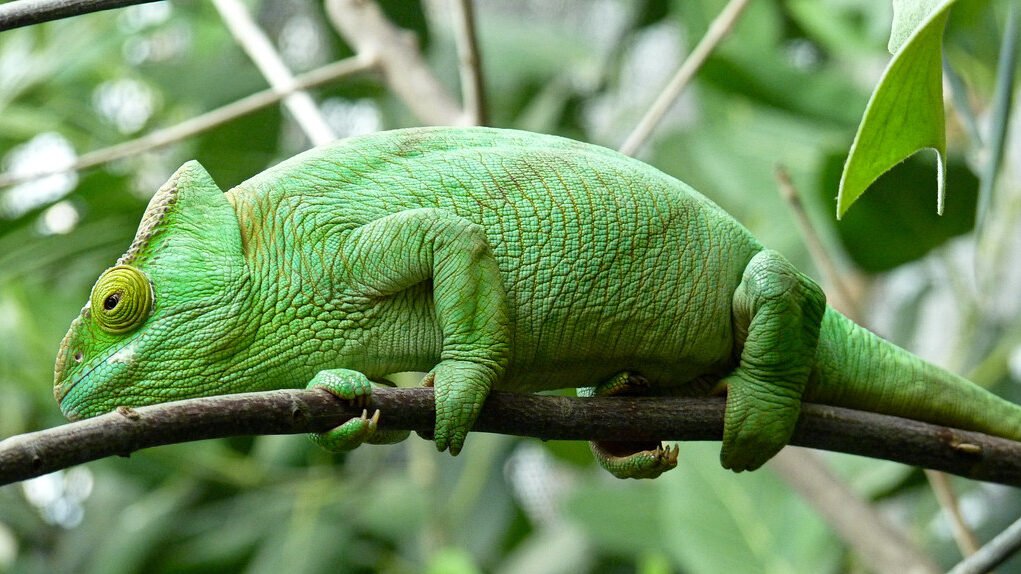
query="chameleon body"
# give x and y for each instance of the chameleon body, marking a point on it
(491, 259)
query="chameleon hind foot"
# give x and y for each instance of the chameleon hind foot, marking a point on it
(777, 313)
(357, 388)
(629, 459)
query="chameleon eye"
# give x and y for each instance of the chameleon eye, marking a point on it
(110, 302)
(123, 299)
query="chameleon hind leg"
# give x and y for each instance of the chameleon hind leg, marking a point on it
(355, 387)
(777, 312)
(629, 459)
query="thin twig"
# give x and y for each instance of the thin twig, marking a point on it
(880, 545)
(364, 26)
(29, 12)
(965, 538)
(994, 553)
(718, 30)
(970, 454)
(258, 47)
(962, 107)
(1001, 110)
(840, 294)
(201, 123)
(473, 92)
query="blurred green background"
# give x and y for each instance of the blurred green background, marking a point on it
(787, 88)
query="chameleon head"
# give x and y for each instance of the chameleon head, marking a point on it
(169, 318)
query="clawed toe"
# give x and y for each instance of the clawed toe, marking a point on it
(626, 459)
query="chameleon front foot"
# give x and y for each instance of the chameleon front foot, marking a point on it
(629, 459)
(357, 388)
(460, 387)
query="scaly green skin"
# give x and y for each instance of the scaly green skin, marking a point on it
(491, 259)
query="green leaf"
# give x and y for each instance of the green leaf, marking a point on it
(904, 114)
(908, 15)
(892, 225)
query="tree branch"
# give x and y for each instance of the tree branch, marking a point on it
(842, 296)
(200, 123)
(719, 28)
(260, 49)
(29, 12)
(473, 91)
(880, 544)
(993, 554)
(367, 30)
(290, 411)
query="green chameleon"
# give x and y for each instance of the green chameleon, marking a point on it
(491, 259)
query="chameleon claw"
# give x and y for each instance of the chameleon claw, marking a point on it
(631, 460)
(671, 455)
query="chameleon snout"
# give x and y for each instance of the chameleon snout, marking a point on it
(69, 357)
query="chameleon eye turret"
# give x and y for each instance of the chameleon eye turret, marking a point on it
(121, 300)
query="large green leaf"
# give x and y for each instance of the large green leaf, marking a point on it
(892, 225)
(908, 15)
(905, 112)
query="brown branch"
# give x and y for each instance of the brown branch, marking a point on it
(200, 123)
(473, 89)
(29, 12)
(966, 540)
(837, 280)
(290, 411)
(993, 554)
(367, 30)
(719, 28)
(878, 543)
(260, 49)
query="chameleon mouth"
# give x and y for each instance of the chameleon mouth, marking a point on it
(68, 404)
(61, 390)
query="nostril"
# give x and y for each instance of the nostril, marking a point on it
(78, 356)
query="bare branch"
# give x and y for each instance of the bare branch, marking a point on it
(29, 12)
(994, 553)
(259, 48)
(368, 31)
(473, 91)
(290, 411)
(718, 30)
(845, 301)
(965, 538)
(201, 123)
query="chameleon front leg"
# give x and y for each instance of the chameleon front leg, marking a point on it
(401, 250)
(628, 459)
(355, 387)
(777, 312)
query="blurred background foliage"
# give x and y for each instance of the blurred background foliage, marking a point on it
(788, 87)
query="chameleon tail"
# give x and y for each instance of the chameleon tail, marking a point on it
(857, 369)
